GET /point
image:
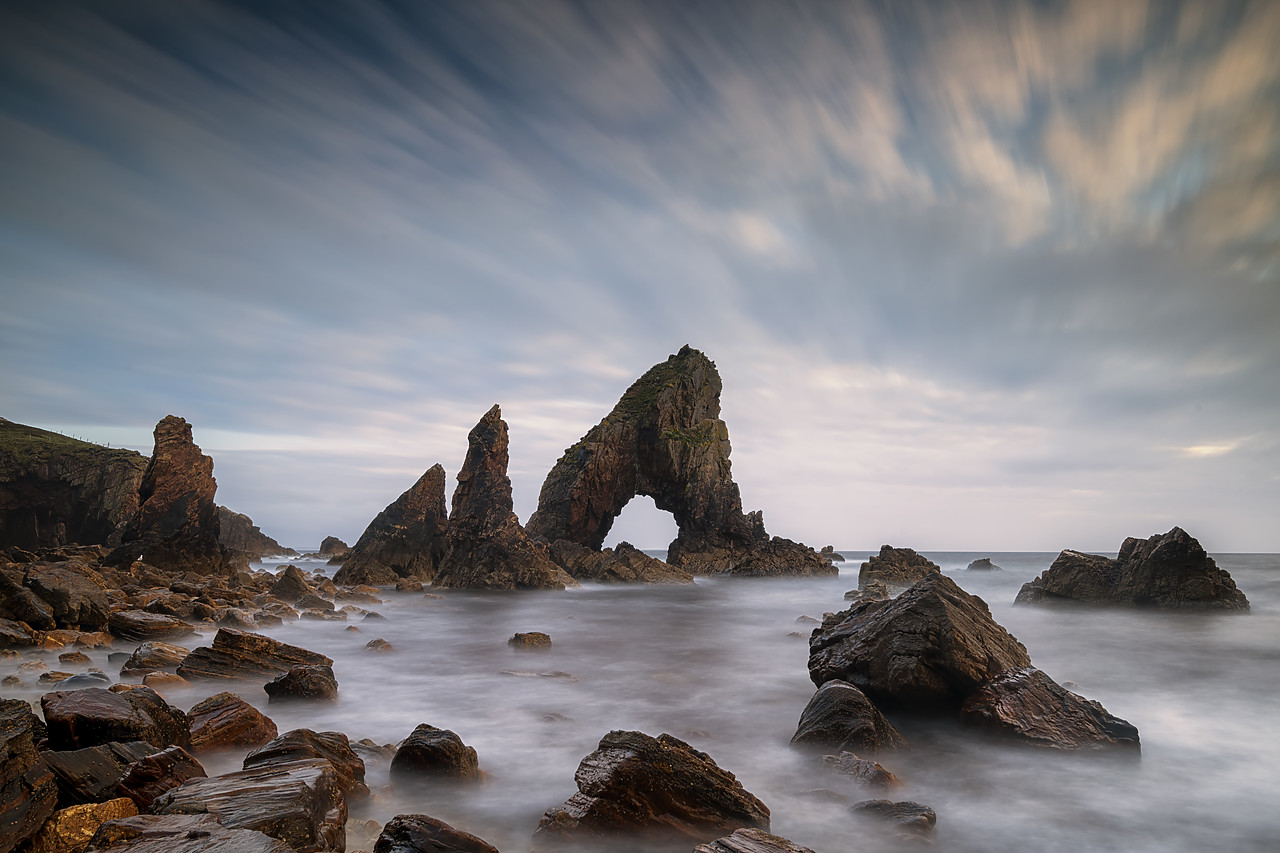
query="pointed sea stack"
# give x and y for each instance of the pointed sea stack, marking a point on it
(406, 540)
(176, 525)
(665, 439)
(486, 548)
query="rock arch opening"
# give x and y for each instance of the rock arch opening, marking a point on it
(643, 525)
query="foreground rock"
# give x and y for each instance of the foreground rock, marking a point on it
(896, 567)
(840, 715)
(297, 802)
(665, 439)
(155, 656)
(243, 654)
(71, 829)
(181, 833)
(751, 841)
(430, 752)
(28, 791)
(139, 626)
(90, 775)
(150, 776)
(622, 564)
(303, 682)
(176, 523)
(237, 532)
(74, 591)
(94, 716)
(291, 585)
(908, 819)
(660, 789)
(405, 540)
(486, 546)
(1169, 571)
(225, 720)
(418, 833)
(333, 747)
(1030, 706)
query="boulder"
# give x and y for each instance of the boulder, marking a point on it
(139, 626)
(15, 634)
(334, 747)
(1029, 706)
(237, 532)
(313, 682)
(90, 775)
(405, 540)
(927, 649)
(95, 716)
(909, 820)
(333, 548)
(20, 604)
(486, 548)
(622, 564)
(225, 720)
(82, 680)
(840, 715)
(983, 564)
(291, 585)
(751, 840)
(242, 654)
(74, 593)
(865, 772)
(430, 752)
(828, 552)
(28, 791)
(665, 439)
(152, 775)
(379, 645)
(1169, 571)
(660, 789)
(297, 802)
(181, 833)
(896, 567)
(154, 656)
(530, 640)
(176, 523)
(71, 829)
(418, 833)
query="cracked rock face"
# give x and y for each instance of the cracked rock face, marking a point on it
(405, 540)
(665, 439)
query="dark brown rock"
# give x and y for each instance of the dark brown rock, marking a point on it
(334, 747)
(241, 654)
(139, 625)
(432, 753)
(530, 640)
(658, 788)
(334, 548)
(74, 591)
(152, 775)
(1169, 571)
(20, 604)
(225, 720)
(418, 833)
(71, 829)
(984, 564)
(90, 775)
(896, 567)
(840, 715)
(623, 564)
(155, 656)
(181, 833)
(176, 524)
(291, 585)
(751, 840)
(665, 439)
(867, 773)
(95, 716)
(379, 645)
(1029, 706)
(486, 546)
(14, 634)
(28, 792)
(405, 540)
(908, 819)
(237, 532)
(311, 682)
(297, 802)
(928, 649)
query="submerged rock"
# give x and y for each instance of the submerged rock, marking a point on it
(896, 566)
(225, 720)
(863, 771)
(665, 439)
(656, 788)
(751, 840)
(1169, 571)
(181, 833)
(840, 715)
(430, 752)
(418, 833)
(983, 564)
(908, 819)
(242, 654)
(1030, 706)
(28, 791)
(405, 540)
(530, 640)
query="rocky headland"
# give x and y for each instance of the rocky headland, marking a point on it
(237, 532)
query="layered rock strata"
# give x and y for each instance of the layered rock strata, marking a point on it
(405, 540)
(895, 566)
(28, 791)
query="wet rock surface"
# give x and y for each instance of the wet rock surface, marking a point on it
(751, 840)
(96, 716)
(405, 540)
(660, 788)
(863, 771)
(896, 567)
(418, 833)
(28, 791)
(840, 715)
(181, 833)
(154, 656)
(71, 829)
(314, 683)
(907, 819)
(139, 625)
(225, 720)
(246, 655)
(530, 640)
(90, 775)
(430, 752)
(152, 775)
(333, 747)
(983, 564)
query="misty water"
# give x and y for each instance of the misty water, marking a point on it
(722, 665)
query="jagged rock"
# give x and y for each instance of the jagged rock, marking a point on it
(291, 585)
(530, 640)
(71, 658)
(176, 523)
(154, 656)
(22, 605)
(896, 566)
(28, 792)
(237, 532)
(751, 840)
(71, 829)
(660, 788)
(75, 593)
(840, 715)
(311, 601)
(665, 439)
(139, 625)
(152, 775)
(14, 634)
(865, 772)
(910, 820)
(828, 552)
(334, 747)
(198, 833)
(430, 752)
(984, 564)
(225, 720)
(623, 564)
(56, 490)
(334, 548)
(405, 540)
(1029, 706)
(314, 682)
(297, 802)
(1169, 571)
(95, 716)
(241, 654)
(418, 833)
(90, 775)
(486, 548)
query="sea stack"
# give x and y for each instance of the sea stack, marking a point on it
(406, 540)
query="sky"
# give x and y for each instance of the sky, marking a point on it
(976, 275)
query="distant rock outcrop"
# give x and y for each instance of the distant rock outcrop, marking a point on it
(1169, 571)
(623, 564)
(486, 548)
(896, 566)
(665, 439)
(237, 532)
(406, 540)
(56, 490)
(334, 548)
(984, 564)
(176, 524)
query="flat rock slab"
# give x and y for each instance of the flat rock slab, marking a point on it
(90, 775)
(95, 716)
(304, 743)
(199, 833)
(1031, 707)
(751, 840)
(140, 625)
(225, 720)
(419, 833)
(243, 654)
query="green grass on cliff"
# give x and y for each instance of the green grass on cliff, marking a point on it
(27, 445)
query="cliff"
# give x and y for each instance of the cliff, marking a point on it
(405, 540)
(237, 532)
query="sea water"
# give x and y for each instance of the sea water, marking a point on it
(722, 664)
